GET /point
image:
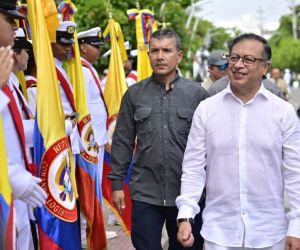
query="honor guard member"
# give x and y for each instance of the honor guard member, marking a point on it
(90, 47)
(89, 44)
(26, 190)
(130, 74)
(31, 81)
(62, 49)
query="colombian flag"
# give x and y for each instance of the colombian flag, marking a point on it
(6, 201)
(115, 88)
(145, 25)
(87, 171)
(58, 220)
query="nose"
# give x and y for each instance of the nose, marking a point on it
(160, 54)
(239, 63)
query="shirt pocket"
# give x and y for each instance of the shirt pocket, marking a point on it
(142, 119)
(184, 120)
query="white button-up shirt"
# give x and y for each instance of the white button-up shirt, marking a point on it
(243, 147)
(95, 104)
(3, 100)
(72, 132)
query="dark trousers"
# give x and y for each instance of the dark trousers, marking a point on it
(147, 224)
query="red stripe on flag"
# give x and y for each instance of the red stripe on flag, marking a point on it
(91, 208)
(107, 195)
(46, 242)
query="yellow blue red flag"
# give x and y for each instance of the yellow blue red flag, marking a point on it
(6, 201)
(87, 170)
(58, 219)
(114, 90)
(145, 25)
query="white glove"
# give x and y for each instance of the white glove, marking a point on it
(34, 195)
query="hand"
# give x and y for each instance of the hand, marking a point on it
(34, 196)
(185, 235)
(6, 64)
(119, 200)
(73, 117)
(292, 243)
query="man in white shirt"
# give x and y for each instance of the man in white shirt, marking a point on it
(239, 140)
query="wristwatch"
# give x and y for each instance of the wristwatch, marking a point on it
(190, 220)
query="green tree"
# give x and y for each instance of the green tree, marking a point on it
(93, 13)
(286, 50)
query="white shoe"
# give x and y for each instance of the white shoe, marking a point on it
(110, 234)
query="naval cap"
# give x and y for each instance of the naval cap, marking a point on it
(21, 41)
(65, 32)
(9, 8)
(91, 36)
(131, 54)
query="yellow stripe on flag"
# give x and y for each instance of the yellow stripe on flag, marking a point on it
(116, 83)
(5, 188)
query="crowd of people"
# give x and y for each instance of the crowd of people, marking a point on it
(211, 161)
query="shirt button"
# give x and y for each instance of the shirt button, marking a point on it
(244, 213)
(165, 126)
(165, 141)
(165, 97)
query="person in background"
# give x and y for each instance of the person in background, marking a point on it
(217, 67)
(245, 162)
(90, 50)
(276, 77)
(25, 186)
(61, 52)
(31, 81)
(155, 114)
(130, 74)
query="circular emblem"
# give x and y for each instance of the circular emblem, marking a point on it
(90, 152)
(70, 29)
(56, 181)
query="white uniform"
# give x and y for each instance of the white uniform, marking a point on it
(19, 177)
(3, 100)
(99, 117)
(31, 92)
(131, 78)
(72, 132)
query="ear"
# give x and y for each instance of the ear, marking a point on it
(179, 56)
(83, 48)
(267, 68)
(16, 57)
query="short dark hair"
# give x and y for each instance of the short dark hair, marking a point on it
(166, 33)
(267, 51)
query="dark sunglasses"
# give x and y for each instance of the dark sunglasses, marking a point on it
(221, 67)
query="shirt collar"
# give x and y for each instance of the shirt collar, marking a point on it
(261, 92)
(174, 82)
(57, 62)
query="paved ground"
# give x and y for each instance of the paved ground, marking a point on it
(123, 242)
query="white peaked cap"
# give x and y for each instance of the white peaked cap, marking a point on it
(63, 26)
(20, 33)
(127, 48)
(94, 32)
